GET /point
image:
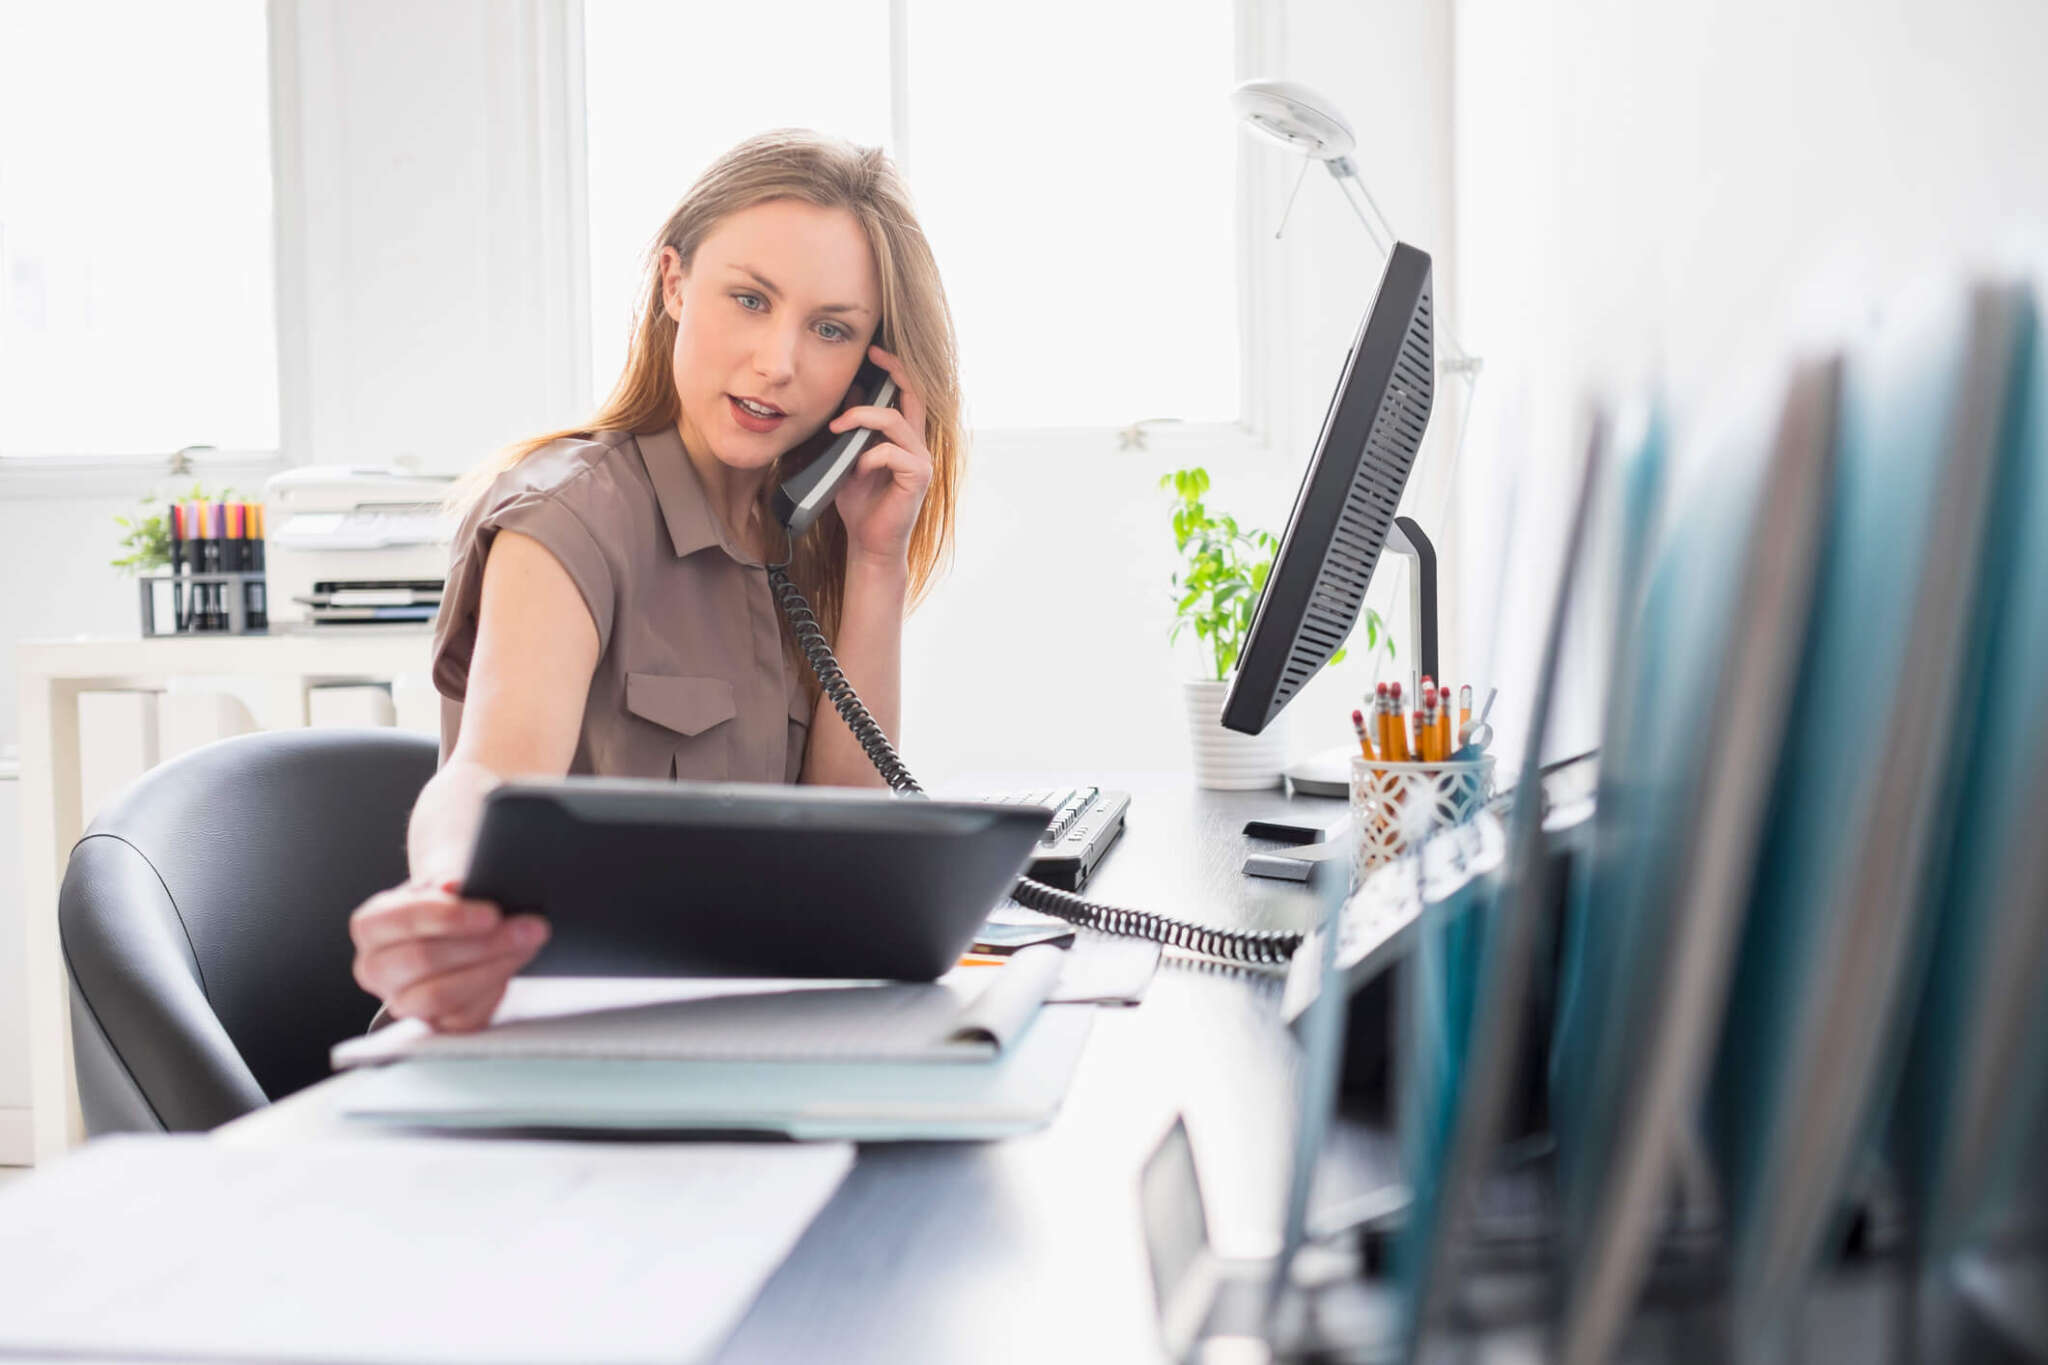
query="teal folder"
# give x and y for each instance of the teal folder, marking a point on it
(1832, 936)
(1976, 1079)
(1695, 718)
(852, 1101)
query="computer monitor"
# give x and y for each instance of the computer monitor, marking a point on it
(1344, 513)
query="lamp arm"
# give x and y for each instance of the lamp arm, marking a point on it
(1353, 188)
(1345, 172)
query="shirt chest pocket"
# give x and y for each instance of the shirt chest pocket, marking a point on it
(686, 728)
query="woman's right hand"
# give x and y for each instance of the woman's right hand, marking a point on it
(429, 954)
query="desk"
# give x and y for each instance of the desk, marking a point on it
(53, 674)
(1031, 1249)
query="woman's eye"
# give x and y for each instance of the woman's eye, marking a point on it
(751, 302)
(832, 331)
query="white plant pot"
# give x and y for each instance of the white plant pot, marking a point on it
(1224, 759)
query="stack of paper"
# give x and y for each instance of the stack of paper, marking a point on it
(399, 1250)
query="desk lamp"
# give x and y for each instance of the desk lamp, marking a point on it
(1295, 116)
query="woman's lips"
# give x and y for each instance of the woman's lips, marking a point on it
(750, 421)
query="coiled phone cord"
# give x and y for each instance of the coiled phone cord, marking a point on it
(1229, 945)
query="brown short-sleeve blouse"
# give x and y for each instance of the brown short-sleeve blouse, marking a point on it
(691, 680)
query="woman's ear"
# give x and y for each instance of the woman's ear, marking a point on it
(673, 276)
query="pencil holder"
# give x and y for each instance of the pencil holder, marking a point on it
(1394, 805)
(205, 604)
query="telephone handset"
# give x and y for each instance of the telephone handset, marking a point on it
(824, 462)
(799, 501)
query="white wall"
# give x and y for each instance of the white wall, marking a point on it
(1653, 192)
(1045, 649)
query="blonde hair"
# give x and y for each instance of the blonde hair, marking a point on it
(916, 325)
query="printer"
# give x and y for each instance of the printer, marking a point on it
(350, 545)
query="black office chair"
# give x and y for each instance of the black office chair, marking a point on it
(204, 919)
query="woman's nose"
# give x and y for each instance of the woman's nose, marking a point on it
(775, 357)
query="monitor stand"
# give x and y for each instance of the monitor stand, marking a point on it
(1328, 772)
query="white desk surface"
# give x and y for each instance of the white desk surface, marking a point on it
(371, 650)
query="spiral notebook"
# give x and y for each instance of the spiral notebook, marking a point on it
(970, 1015)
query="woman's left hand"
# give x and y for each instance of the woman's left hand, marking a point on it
(880, 501)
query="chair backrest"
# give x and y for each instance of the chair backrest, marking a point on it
(205, 921)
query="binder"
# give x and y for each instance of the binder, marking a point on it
(1685, 784)
(1975, 1086)
(1834, 931)
(1456, 1083)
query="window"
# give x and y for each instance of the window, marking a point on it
(1076, 175)
(669, 87)
(1075, 165)
(137, 309)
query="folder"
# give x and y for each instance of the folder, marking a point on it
(1835, 931)
(1018, 1092)
(1976, 1080)
(1480, 964)
(1697, 710)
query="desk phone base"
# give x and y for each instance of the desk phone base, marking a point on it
(1085, 822)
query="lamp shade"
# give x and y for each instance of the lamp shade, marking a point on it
(1293, 114)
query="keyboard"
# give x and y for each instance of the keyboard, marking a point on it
(1085, 822)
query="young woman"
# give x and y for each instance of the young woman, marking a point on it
(607, 608)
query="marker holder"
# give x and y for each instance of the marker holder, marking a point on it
(239, 607)
(1396, 805)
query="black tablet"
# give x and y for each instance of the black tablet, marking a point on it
(642, 878)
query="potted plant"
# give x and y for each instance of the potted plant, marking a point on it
(1223, 571)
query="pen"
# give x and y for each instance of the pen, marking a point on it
(1464, 707)
(259, 588)
(981, 960)
(177, 526)
(1444, 739)
(1397, 724)
(1379, 723)
(1430, 752)
(208, 560)
(217, 531)
(238, 553)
